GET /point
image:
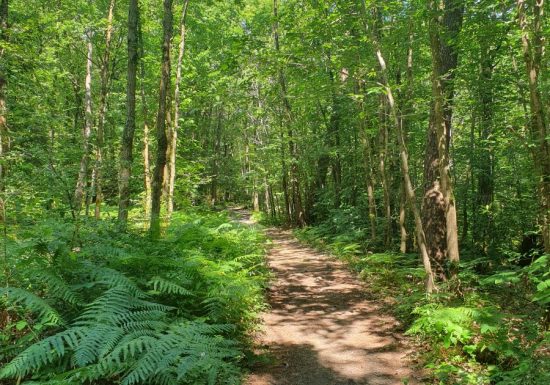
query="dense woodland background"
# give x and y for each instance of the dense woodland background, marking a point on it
(383, 129)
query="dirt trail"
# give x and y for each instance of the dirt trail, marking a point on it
(321, 329)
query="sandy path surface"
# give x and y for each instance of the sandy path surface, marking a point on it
(321, 329)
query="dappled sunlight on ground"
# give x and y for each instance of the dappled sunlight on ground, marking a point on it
(321, 329)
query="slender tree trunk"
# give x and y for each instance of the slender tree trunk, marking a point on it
(402, 219)
(409, 189)
(177, 101)
(382, 157)
(87, 129)
(334, 137)
(216, 161)
(104, 76)
(533, 45)
(145, 110)
(267, 198)
(255, 197)
(162, 117)
(484, 225)
(126, 151)
(298, 217)
(4, 133)
(439, 203)
(367, 150)
(404, 122)
(284, 172)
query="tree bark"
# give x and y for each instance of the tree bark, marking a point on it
(409, 189)
(177, 101)
(402, 219)
(145, 110)
(367, 150)
(162, 116)
(439, 204)
(484, 230)
(87, 129)
(104, 76)
(4, 132)
(297, 212)
(126, 151)
(382, 157)
(533, 44)
(216, 161)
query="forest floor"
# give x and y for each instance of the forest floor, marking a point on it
(321, 329)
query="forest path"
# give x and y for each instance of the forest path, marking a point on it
(321, 329)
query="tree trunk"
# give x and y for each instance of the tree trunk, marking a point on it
(284, 181)
(297, 215)
(409, 189)
(367, 150)
(126, 151)
(145, 151)
(177, 101)
(382, 157)
(87, 129)
(533, 45)
(216, 161)
(402, 219)
(104, 75)
(162, 116)
(4, 133)
(484, 229)
(439, 203)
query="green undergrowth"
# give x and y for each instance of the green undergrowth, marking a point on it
(107, 307)
(479, 329)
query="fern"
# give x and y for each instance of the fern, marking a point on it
(134, 319)
(110, 278)
(161, 285)
(42, 353)
(31, 302)
(119, 332)
(57, 287)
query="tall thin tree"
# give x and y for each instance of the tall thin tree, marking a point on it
(126, 151)
(81, 182)
(162, 116)
(104, 92)
(175, 126)
(4, 133)
(404, 156)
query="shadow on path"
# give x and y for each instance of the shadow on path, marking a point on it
(321, 329)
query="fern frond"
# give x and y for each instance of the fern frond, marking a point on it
(161, 285)
(57, 287)
(111, 278)
(31, 302)
(43, 353)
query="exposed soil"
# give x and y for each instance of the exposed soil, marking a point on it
(321, 329)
